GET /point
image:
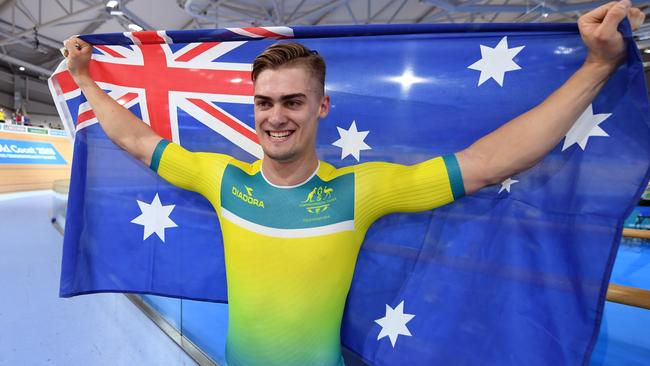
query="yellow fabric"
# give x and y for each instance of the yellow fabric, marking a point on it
(287, 294)
(197, 172)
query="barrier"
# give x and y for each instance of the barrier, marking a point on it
(32, 161)
(33, 130)
(636, 233)
(626, 295)
(60, 203)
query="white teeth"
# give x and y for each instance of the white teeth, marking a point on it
(279, 134)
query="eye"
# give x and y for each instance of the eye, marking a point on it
(262, 104)
(294, 103)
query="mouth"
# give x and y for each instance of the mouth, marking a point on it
(279, 135)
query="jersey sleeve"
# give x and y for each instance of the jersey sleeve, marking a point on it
(385, 188)
(195, 171)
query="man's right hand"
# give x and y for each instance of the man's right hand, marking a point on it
(120, 125)
(78, 59)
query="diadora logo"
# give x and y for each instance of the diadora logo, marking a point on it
(247, 196)
(319, 199)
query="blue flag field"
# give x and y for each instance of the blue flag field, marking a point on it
(515, 274)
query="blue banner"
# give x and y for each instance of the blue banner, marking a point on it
(515, 274)
(29, 152)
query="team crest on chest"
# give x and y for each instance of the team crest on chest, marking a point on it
(318, 200)
(250, 201)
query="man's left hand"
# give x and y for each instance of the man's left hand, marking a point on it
(598, 30)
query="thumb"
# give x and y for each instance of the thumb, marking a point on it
(614, 16)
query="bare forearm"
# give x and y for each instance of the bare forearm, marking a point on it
(525, 140)
(119, 124)
(520, 143)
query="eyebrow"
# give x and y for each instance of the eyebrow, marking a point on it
(282, 98)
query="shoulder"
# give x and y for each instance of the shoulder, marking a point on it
(327, 171)
(172, 154)
(249, 168)
(166, 149)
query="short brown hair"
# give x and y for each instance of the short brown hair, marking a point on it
(290, 53)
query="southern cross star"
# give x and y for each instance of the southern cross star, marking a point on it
(505, 185)
(495, 62)
(394, 323)
(586, 126)
(351, 141)
(154, 218)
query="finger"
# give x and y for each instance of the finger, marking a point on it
(615, 15)
(74, 42)
(67, 44)
(73, 46)
(81, 42)
(69, 47)
(636, 17)
(598, 14)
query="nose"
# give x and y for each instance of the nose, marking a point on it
(277, 115)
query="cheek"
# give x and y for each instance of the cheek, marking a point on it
(311, 127)
(258, 117)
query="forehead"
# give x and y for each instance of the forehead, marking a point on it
(285, 80)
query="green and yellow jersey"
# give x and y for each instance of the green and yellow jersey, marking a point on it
(290, 252)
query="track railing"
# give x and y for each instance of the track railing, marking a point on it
(632, 296)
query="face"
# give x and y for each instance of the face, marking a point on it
(288, 105)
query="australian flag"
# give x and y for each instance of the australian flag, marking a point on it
(515, 274)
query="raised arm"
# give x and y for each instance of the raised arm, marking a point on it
(522, 142)
(121, 126)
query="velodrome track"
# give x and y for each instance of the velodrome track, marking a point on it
(39, 328)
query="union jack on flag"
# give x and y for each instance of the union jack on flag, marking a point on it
(155, 78)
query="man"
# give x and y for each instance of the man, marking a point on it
(293, 225)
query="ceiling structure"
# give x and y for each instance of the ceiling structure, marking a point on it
(31, 31)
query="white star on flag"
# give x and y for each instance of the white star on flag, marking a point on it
(586, 126)
(495, 62)
(154, 218)
(505, 185)
(351, 141)
(394, 323)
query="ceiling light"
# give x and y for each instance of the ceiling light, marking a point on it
(134, 27)
(407, 79)
(647, 50)
(117, 12)
(545, 15)
(22, 68)
(112, 3)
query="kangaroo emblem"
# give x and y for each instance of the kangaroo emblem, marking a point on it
(310, 196)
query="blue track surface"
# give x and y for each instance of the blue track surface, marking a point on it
(39, 328)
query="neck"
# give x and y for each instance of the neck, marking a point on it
(289, 173)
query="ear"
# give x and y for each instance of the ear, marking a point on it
(324, 108)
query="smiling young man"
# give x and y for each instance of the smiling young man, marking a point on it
(293, 225)
(289, 101)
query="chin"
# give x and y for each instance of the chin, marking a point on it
(281, 156)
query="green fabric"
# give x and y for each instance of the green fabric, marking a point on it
(157, 154)
(313, 204)
(455, 176)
